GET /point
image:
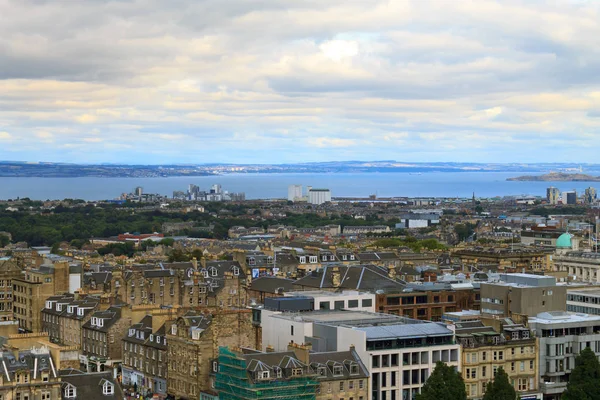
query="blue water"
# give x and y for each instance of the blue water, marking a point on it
(262, 186)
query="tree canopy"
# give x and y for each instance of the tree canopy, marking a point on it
(500, 388)
(445, 383)
(585, 378)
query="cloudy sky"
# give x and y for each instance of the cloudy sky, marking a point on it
(270, 81)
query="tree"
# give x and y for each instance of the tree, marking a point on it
(583, 382)
(4, 240)
(445, 383)
(500, 388)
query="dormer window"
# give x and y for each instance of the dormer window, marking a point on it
(352, 256)
(236, 271)
(332, 258)
(70, 309)
(80, 312)
(157, 339)
(324, 258)
(94, 321)
(151, 337)
(264, 375)
(173, 329)
(59, 307)
(131, 332)
(48, 304)
(354, 369)
(302, 260)
(338, 371)
(205, 273)
(297, 372)
(344, 257)
(213, 271)
(70, 391)
(108, 388)
(322, 371)
(525, 334)
(279, 373)
(100, 322)
(313, 259)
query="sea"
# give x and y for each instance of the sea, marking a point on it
(274, 186)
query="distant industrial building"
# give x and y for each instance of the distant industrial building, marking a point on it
(417, 220)
(319, 196)
(569, 197)
(294, 192)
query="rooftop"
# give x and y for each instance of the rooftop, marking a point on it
(562, 317)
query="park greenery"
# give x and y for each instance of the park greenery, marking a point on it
(77, 224)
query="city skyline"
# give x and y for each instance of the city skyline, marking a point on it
(148, 82)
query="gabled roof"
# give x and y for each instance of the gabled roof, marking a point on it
(89, 386)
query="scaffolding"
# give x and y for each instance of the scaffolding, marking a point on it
(233, 382)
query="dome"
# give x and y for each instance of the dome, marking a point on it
(564, 241)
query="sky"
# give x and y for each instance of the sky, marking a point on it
(276, 81)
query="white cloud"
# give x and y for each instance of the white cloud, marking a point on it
(297, 78)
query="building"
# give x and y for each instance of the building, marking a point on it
(399, 353)
(579, 265)
(79, 385)
(194, 340)
(553, 195)
(429, 301)
(518, 296)
(319, 196)
(31, 291)
(584, 300)
(294, 192)
(145, 361)
(561, 337)
(64, 316)
(324, 300)
(484, 350)
(9, 270)
(590, 195)
(505, 259)
(265, 376)
(30, 375)
(417, 220)
(100, 337)
(569, 197)
(363, 230)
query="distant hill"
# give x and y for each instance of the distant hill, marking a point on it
(557, 177)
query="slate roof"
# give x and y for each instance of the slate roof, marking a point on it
(110, 317)
(345, 359)
(358, 277)
(271, 284)
(89, 385)
(33, 361)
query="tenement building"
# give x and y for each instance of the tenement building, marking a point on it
(484, 350)
(145, 358)
(29, 375)
(64, 316)
(9, 270)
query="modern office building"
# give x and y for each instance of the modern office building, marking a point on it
(399, 353)
(584, 300)
(294, 192)
(319, 196)
(552, 195)
(520, 295)
(561, 337)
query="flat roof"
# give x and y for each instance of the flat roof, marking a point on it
(586, 292)
(558, 317)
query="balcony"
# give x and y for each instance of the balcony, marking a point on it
(553, 387)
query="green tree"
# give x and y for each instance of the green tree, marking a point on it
(445, 383)
(500, 388)
(4, 241)
(583, 382)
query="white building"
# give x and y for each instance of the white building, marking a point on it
(562, 336)
(399, 353)
(295, 192)
(352, 300)
(319, 196)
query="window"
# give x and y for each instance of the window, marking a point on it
(70, 391)
(296, 371)
(367, 303)
(108, 388)
(352, 303)
(361, 384)
(341, 386)
(264, 375)
(292, 330)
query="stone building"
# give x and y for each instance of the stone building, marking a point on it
(145, 357)
(506, 259)
(31, 291)
(484, 350)
(64, 315)
(29, 375)
(9, 270)
(89, 386)
(101, 339)
(194, 340)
